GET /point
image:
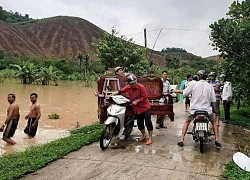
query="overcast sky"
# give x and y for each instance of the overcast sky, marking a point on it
(184, 23)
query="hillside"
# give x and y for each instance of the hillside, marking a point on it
(56, 37)
(60, 37)
(215, 58)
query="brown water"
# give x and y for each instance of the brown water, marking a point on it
(73, 102)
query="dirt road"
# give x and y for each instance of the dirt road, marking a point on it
(129, 159)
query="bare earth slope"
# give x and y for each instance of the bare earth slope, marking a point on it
(59, 37)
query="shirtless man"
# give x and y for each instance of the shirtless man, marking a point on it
(33, 116)
(11, 121)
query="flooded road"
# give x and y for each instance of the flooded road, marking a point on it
(75, 104)
(130, 159)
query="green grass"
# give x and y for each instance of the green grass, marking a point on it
(16, 165)
(239, 117)
(233, 172)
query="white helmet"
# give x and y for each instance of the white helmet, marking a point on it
(132, 79)
(117, 68)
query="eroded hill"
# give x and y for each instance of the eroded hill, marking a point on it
(57, 37)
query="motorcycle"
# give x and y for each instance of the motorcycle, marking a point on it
(117, 124)
(201, 131)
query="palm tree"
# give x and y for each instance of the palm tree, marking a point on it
(87, 59)
(80, 57)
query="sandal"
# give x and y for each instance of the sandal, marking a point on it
(149, 142)
(217, 144)
(181, 144)
(142, 139)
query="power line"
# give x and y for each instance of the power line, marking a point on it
(154, 44)
(174, 29)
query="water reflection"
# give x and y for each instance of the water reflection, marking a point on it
(76, 105)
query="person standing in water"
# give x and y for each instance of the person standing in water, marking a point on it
(33, 116)
(11, 122)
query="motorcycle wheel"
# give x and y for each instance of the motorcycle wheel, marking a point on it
(128, 129)
(106, 136)
(201, 144)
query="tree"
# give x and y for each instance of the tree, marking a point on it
(26, 72)
(80, 57)
(86, 59)
(1, 54)
(118, 51)
(5, 74)
(173, 49)
(16, 17)
(231, 36)
(172, 61)
(48, 74)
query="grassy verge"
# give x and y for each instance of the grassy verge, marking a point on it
(239, 117)
(16, 165)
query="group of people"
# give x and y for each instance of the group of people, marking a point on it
(11, 122)
(223, 92)
(201, 95)
(206, 95)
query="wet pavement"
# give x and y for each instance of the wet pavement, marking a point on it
(130, 159)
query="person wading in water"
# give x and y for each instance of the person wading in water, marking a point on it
(33, 116)
(11, 122)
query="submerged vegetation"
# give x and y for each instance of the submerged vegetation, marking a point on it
(48, 71)
(54, 116)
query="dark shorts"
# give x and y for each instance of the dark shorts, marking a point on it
(187, 101)
(29, 130)
(191, 117)
(217, 107)
(144, 117)
(10, 128)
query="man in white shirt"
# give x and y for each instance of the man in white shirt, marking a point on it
(203, 96)
(166, 90)
(226, 96)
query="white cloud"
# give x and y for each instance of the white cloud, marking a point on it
(130, 17)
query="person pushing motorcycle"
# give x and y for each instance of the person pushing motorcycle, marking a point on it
(141, 107)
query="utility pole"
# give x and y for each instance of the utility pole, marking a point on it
(145, 40)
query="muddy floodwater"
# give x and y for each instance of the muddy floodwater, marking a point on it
(76, 105)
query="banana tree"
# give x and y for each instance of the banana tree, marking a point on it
(26, 72)
(5, 74)
(48, 74)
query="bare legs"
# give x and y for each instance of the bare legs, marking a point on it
(216, 134)
(9, 141)
(184, 130)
